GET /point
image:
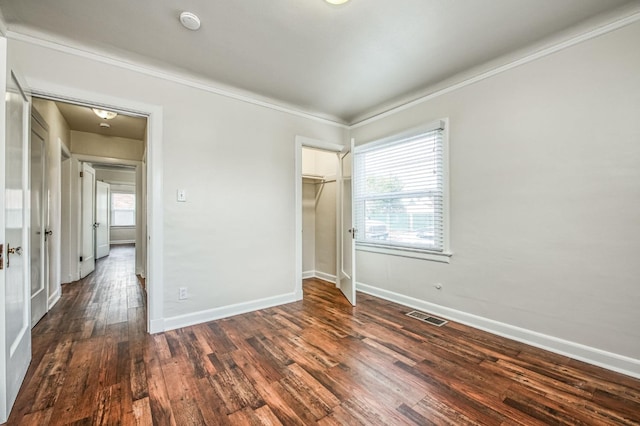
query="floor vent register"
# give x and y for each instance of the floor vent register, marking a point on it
(424, 317)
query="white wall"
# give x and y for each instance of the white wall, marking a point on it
(325, 250)
(233, 241)
(545, 199)
(59, 137)
(308, 227)
(118, 176)
(106, 146)
(122, 235)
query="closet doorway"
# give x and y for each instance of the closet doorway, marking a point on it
(319, 214)
(324, 244)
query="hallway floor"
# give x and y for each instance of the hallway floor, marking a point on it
(88, 351)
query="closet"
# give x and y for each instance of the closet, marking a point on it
(319, 214)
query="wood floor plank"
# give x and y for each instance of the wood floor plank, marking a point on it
(142, 412)
(317, 361)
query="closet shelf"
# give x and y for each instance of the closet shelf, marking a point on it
(317, 180)
(312, 177)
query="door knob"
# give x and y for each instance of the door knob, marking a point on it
(95, 225)
(47, 234)
(12, 250)
(15, 250)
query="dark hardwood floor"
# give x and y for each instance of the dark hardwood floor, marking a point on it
(318, 361)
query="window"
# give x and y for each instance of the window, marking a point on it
(123, 209)
(400, 193)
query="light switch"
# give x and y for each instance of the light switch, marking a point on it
(182, 195)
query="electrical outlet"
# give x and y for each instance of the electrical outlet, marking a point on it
(182, 293)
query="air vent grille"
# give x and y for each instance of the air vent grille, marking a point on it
(438, 322)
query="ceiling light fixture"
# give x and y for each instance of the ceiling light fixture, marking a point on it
(336, 1)
(190, 21)
(104, 114)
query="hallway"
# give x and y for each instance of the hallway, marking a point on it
(88, 350)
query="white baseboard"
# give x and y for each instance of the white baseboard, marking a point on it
(326, 277)
(318, 274)
(611, 361)
(226, 311)
(156, 326)
(53, 299)
(117, 242)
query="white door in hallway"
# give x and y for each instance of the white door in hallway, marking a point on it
(37, 237)
(103, 196)
(15, 323)
(347, 278)
(87, 220)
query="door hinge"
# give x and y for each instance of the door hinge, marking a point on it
(81, 174)
(80, 258)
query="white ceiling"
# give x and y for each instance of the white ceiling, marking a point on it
(83, 119)
(335, 61)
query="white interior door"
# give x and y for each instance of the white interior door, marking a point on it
(38, 264)
(347, 279)
(15, 326)
(87, 220)
(103, 191)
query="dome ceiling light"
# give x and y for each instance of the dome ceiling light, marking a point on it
(336, 1)
(104, 114)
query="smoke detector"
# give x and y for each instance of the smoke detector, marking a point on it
(190, 21)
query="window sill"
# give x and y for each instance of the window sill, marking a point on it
(444, 257)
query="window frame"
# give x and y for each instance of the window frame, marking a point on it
(407, 251)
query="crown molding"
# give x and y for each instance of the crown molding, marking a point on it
(627, 16)
(174, 77)
(3, 25)
(594, 28)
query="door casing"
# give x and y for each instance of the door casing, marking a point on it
(301, 142)
(154, 170)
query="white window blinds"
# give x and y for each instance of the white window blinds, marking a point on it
(123, 209)
(399, 192)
